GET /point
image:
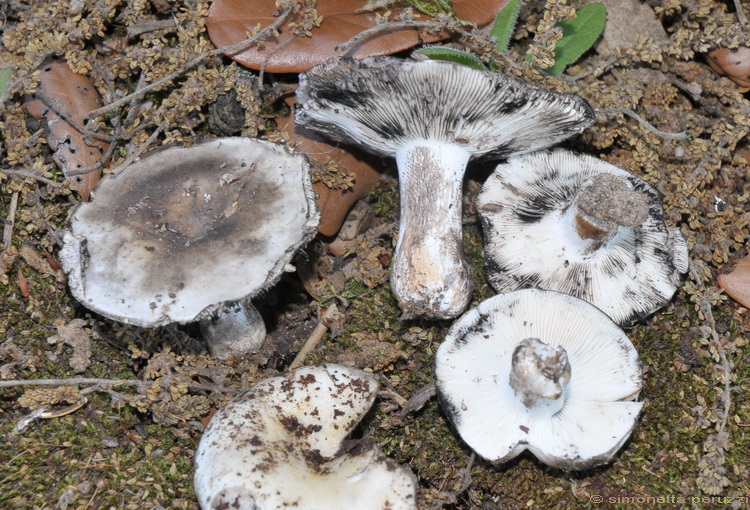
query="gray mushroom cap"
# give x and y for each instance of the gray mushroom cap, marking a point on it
(182, 231)
(433, 117)
(575, 224)
(282, 444)
(541, 371)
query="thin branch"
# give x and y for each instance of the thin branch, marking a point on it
(234, 48)
(12, 383)
(391, 25)
(740, 13)
(29, 175)
(10, 221)
(683, 135)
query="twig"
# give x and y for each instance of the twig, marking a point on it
(29, 175)
(392, 25)
(314, 340)
(740, 13)
(193, 63)
(10, 221)
(12, 383)
(683, 135)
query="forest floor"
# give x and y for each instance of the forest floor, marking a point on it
(118, 425)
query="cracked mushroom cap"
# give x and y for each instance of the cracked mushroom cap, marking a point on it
(182, 231)
(385, 103)
(541, 371)
(282, 444)
(575, 224)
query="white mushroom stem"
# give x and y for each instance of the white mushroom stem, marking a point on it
(430, 276)
(236, 330)
(605, 204)
(539, 374)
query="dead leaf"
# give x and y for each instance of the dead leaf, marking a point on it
(230, 21)
(737, 283)
(74, 335)
(334, 204)
(76, 96)
(622, 16)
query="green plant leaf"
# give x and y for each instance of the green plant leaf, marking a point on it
(505, 24)
(452, 55)
(579, 35)
(5, 78)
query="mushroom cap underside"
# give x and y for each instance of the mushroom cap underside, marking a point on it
(385, 103)
(281, 444)
(182, 231)
(524, 208)
(473, 367)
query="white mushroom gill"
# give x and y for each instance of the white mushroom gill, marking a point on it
(282, 444)
(433, 117)
(502, 406)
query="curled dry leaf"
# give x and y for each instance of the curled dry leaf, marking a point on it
(737, 283)
(63, 91)
(76, 336)
(334, 203)
(230, 21)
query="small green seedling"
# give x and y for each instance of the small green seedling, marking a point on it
(579, 35)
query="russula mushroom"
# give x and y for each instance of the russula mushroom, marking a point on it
(282, 444)
(543, 371)
(576, 224)
(433, 117)
(190, 234)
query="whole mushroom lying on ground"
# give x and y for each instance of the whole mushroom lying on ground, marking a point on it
(575, 224)
(282, 444)
(190, 234)
(543, 371)
(433, 117)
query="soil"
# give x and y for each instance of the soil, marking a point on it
(98, 414)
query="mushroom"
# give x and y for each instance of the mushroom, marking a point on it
(575, 224)
(281, 444)
(543, 371)
(433, 117)
(190, 234)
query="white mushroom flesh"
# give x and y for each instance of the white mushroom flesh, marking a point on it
(433, 116)
(281, 444)
(532, 220)
(582, 428)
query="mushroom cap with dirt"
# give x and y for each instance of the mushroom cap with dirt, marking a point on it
(189, 234)
(543, 371)
(433, 117)
(282, 444)
(575, 224)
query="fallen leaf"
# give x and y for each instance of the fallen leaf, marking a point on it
(230, 21)
(737, 283)
(76, 96)
(622, 17)
(74, 335)
(334, 204)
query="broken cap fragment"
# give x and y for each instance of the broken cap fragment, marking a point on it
(282, 444)
(575, 224)
(543, 371)
(183, 232)
(433, 117)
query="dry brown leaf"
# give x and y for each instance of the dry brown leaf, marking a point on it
(737, 283)
(334, 204)
(76, 336)
(76, 96)
(230, 21)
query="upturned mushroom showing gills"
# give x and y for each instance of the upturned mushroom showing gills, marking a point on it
(189, 234)
(540, 371)
(575, 224)
(433, 117)
(282, 444)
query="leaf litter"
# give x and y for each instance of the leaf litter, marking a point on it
(149, 392)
